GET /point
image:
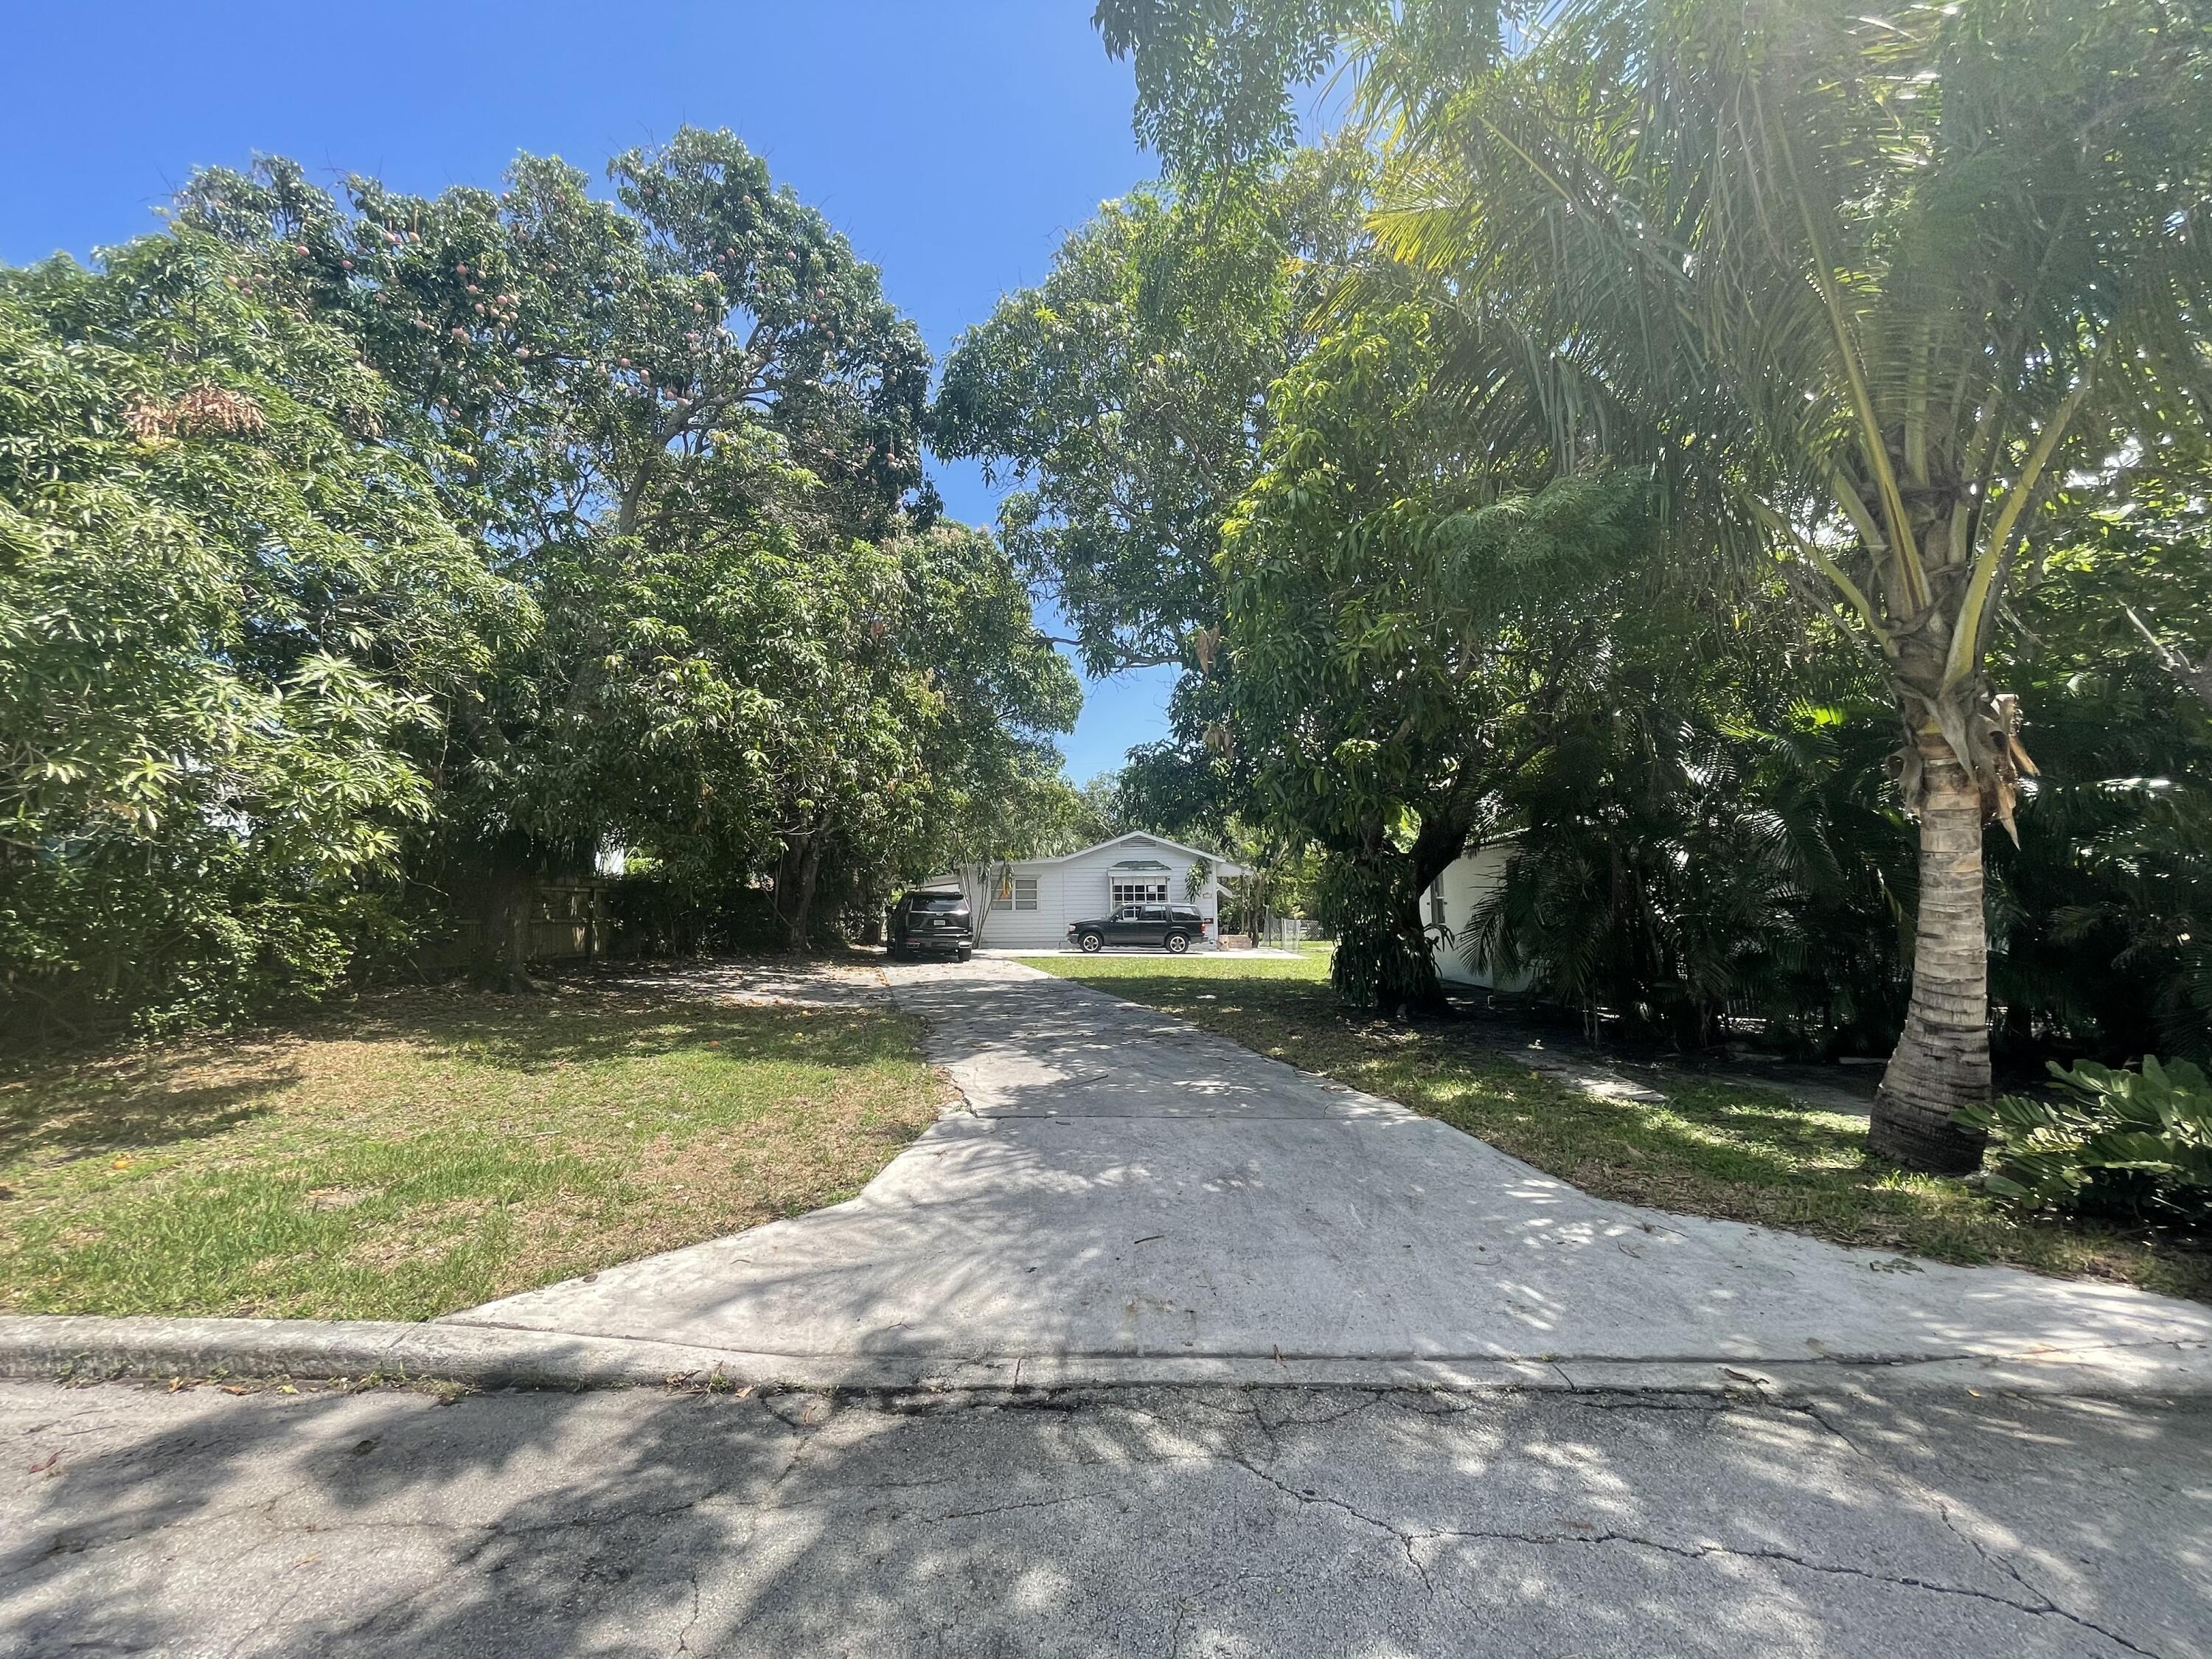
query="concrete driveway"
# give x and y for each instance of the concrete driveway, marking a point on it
(1124, 1198)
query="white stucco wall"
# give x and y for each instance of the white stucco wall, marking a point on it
(1467, 884)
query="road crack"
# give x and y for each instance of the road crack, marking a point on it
(1031, 1504)
(2044, 1604)
(683, 1635)
(2042, 1607)
(1406, 1541)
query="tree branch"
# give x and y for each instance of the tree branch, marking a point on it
(1126, 661)
(2197, 675)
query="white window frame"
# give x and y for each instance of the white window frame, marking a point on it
(1149, 890)
(1025, 892)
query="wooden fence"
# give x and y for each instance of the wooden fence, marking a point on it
(568, 918)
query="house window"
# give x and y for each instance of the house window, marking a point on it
(1437, 905)
(1003, 897)
(1026, 893)
(1139, 891)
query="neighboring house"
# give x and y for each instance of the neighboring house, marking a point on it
(1032, 902)
(1452, 904)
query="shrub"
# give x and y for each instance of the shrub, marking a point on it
(2116, 1144)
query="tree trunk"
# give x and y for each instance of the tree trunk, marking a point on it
(1421, 992)
(512, 892)
(986, 888)
(796, 872)
(1384, 959)
(1942, 1057)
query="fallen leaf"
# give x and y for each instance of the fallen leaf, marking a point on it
(47, 1464)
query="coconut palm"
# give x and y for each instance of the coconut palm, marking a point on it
(1861, 288)
(1864, 289)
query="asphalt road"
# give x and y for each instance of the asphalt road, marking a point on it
(1261, 1521)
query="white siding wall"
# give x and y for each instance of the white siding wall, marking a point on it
(1081, 889)
(1012, 929)
(1467, 884)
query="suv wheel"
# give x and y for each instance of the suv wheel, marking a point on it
(1092, 943)
(965, 953)
(1177, 944)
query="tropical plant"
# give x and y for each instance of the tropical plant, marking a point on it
(2101, 918)
(2130, 1145)
(1690, 849)
(229, 615)
(1860, 290)
(1278, 878)
(2151, 549)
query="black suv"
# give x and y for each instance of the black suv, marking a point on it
(933, 918)
(1170, 925)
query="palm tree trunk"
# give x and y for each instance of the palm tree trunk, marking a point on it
(1942, 1057)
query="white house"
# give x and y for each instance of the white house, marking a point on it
(1465, 886)
(1032, 902)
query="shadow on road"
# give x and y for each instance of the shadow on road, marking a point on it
(1262, 1522)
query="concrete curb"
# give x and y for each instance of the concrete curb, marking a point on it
(79, 1348)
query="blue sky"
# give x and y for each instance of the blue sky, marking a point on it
(955, 142)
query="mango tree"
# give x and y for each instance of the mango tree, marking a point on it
(688, 421)
(231, 620)
(1402, 621)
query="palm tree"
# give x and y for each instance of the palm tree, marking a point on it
(1863, 290)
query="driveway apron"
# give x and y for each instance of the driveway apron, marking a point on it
(1121, 1186)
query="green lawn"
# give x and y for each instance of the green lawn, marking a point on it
(436, 1149)
(1744, 1154)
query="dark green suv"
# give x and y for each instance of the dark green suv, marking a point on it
(933, 918)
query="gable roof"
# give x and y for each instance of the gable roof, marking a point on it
(1222, 866)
